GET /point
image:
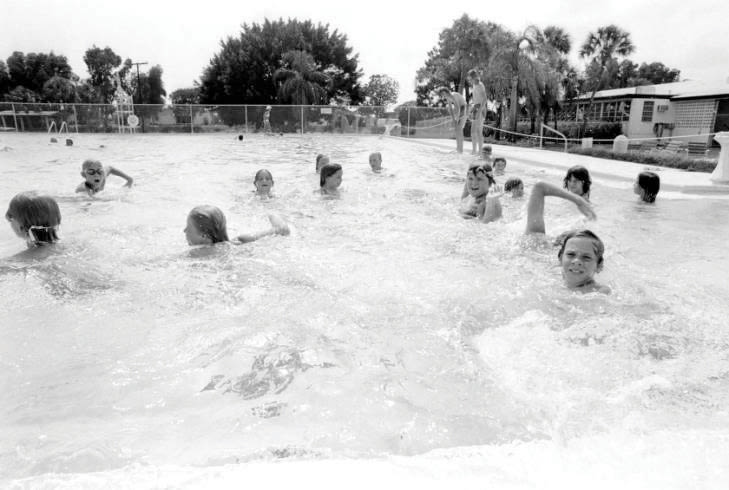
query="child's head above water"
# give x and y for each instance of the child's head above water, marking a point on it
(376, 161)
(515, 186)
(321, 160)
(263, 182)
(93, 172)
(577, 180)
(647, 186)
(34, 217)
(206, 225)
(486, 153)
(499, 166)
(581, 257)
(330, 176)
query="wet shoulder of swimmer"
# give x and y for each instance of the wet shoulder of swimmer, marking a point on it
(581, 257)
(475, 199)
(206, 225)
(95, 174)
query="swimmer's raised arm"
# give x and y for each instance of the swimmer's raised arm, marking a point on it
(278, 227)
(535, 209)
(119, 173)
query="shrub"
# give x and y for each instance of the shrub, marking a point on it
(651, 158)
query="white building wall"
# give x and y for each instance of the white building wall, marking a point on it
(695, 118)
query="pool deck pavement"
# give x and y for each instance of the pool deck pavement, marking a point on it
(671, 179)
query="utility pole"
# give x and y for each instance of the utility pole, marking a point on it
(139, 89)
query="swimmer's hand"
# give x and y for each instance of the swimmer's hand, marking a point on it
(129, 183)
(586, 208)
(279, 225)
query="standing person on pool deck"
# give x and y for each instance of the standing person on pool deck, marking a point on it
(267, 120)
(457, 107)
(478, 110)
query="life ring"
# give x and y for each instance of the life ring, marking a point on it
(132, 121)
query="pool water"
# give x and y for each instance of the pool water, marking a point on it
(383, 326)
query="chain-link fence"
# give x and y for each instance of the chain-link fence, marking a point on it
(422, 122)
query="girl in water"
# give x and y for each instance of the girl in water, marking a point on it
(577, 180)
(475, 202)
(206, 225)
(264, 183)
(35, 218)
(330, 178)
(647, 186)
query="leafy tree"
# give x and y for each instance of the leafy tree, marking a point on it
(21, 94)
(33, 70)
(381, 90)
(4, 78)
(242, 72)
(657, 72)
(190, 95)
(151, 88)
(59, 89)
(603, 48)
(101, 64)
(298, 80)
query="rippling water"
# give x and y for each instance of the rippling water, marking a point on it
(384, 326)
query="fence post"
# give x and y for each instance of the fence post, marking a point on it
(75, 118)
(408, 121)
(245, 108)
(302, 120)
(192, 126)
(15, 118)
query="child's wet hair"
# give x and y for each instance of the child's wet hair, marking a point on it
(580, 173)
(327, 171)
(500, 160)
(89, 162)
(260, 174)
(597, 244)
(375, 154)
(650, 183)
(210, 222)
(512, 183)
(319, 158)
(37, 215)
(485, 168)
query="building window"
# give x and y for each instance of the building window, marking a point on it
(647, 111)
(625, 111)
(695, 114)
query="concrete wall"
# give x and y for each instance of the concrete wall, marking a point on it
(639, 129)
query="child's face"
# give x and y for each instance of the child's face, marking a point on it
(636, 188)
(264, 183)
(193, 234)
(477, 184)
(575, 186)
(518, 191)
(334, 180)
(376, 163)
(94, 174)
(499, 166)
(17, 229)
(579, 262)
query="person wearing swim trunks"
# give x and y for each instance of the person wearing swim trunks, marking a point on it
(477, 110)
(457, 107)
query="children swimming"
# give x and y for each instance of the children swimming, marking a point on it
(515, 186)
(376, 162)
(264, 183)
(34, 217)
(206, 225)
(321, 160)
(95, 175)
(475, 202)
(647, 186)
(577, 180)
(330, 178)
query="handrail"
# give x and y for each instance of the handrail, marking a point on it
(51, 126)
(541, 135)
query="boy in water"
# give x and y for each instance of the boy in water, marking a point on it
(95, 175)
(457, 107)
(376, 162)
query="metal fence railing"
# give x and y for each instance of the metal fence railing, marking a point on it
(423, 122)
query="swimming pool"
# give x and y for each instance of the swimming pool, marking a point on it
(384, 327)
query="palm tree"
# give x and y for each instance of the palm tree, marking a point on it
(300, 81)
(603, 48)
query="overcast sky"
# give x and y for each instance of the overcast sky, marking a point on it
(390, 37)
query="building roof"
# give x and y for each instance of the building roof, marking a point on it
(675, 90)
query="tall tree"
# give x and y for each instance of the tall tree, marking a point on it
(59, 89)
(381, 90)
(190, 95)
(4, 79)
(242, 71)
(657, 72)
(33, 70)
(602, 48)
(299, 81)
(101, 64)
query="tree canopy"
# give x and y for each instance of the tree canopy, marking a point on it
(381, 90)
(243, 70)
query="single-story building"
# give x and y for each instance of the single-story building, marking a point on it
(688, 111)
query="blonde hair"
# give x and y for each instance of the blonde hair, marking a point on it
(37, 215)
(210, 222)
